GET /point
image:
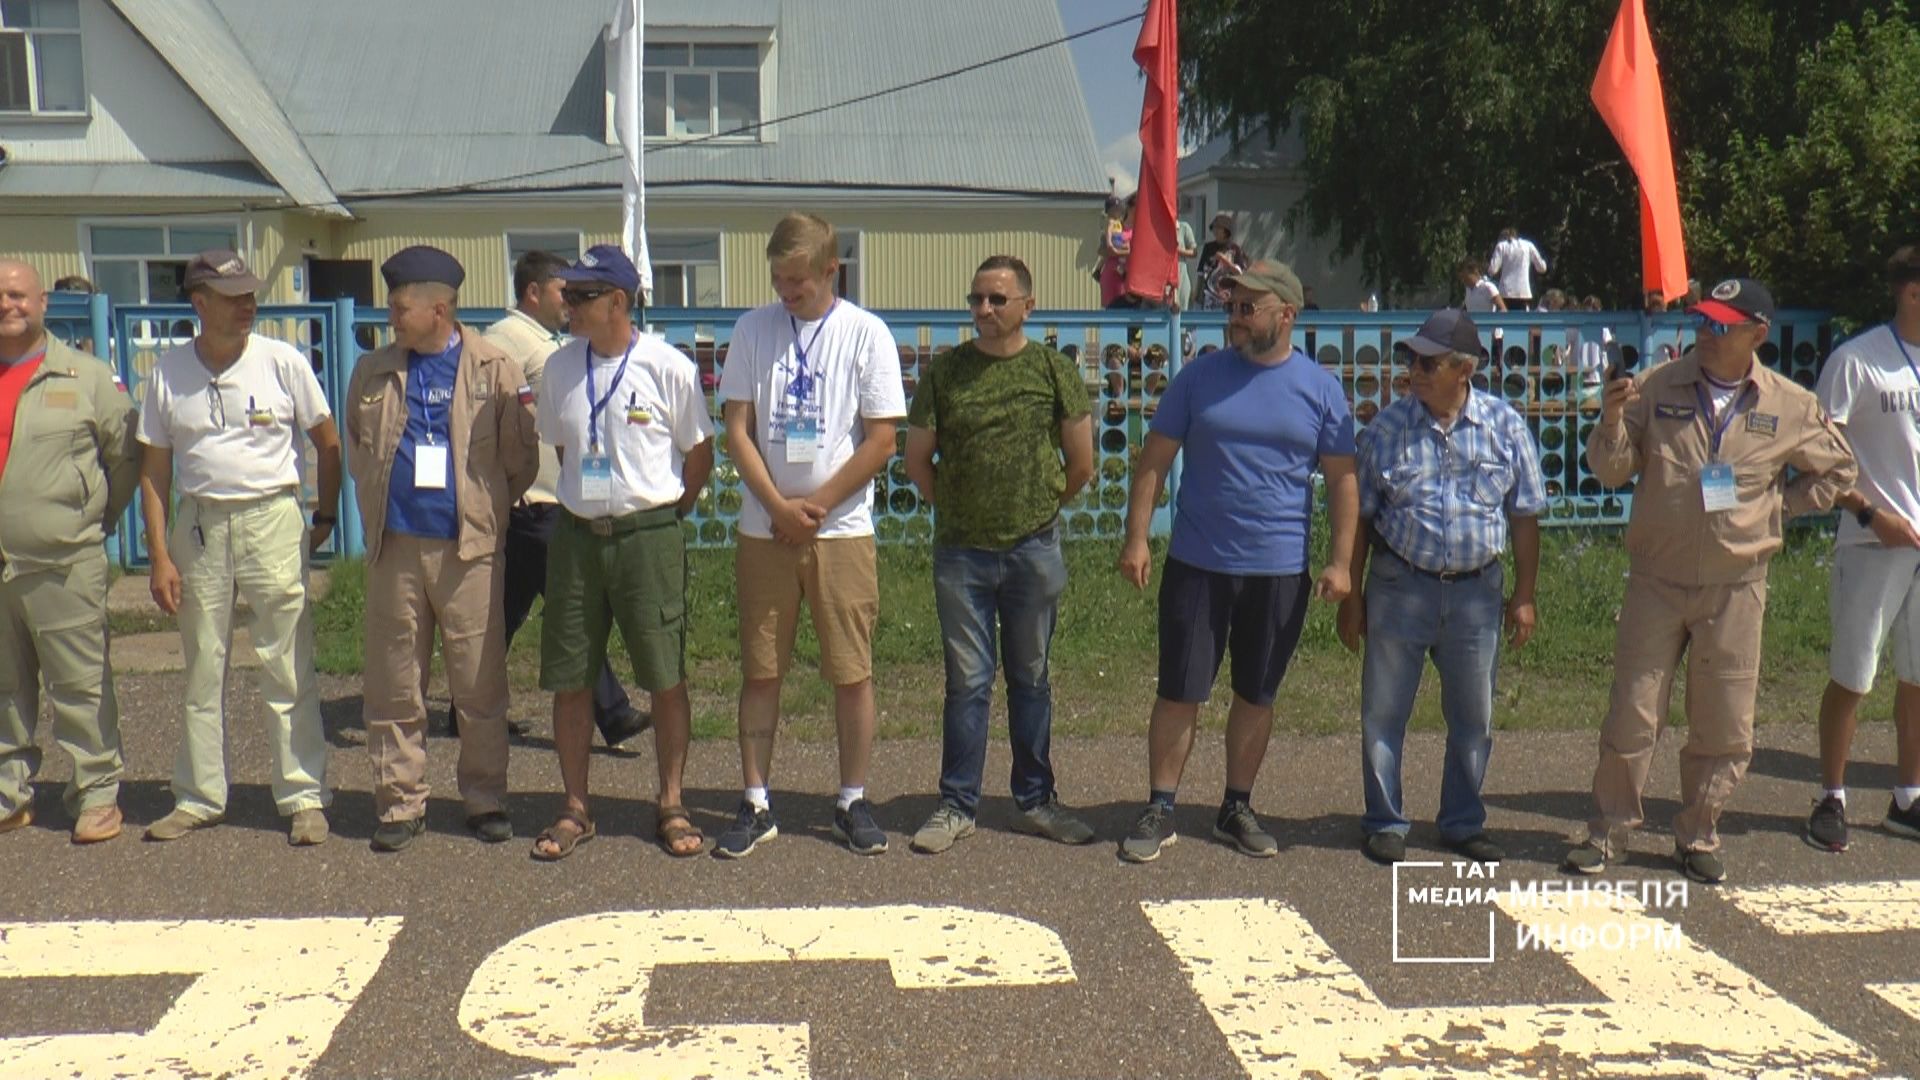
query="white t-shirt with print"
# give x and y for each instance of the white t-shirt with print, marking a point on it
(654, 416)
(233, 434)
(854, 366)
(1868, 387)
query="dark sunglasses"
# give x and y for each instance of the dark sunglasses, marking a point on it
(998, 300)
(1419, 361)
(1243, 308)
(582, 296)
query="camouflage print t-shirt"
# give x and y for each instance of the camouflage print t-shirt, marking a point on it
(998, 475)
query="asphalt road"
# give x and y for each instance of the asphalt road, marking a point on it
(230, 953)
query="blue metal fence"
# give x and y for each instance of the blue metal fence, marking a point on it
(1125, 357)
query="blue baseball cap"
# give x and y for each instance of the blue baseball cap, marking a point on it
(422, 263)
(607, 265)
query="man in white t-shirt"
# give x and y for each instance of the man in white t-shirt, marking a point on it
(813, 400)
(626, 415)
(220, 420)
(1515, 261)
(1870, 386)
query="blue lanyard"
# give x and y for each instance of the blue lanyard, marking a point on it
(802, 385)
(1717, 425)
(416, 374)
(597, 404)
(1911, 366)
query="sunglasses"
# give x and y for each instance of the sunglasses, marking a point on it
(577, 297)
(1243, 308)
(998, 300)
(1420, 361)
(1718, 328)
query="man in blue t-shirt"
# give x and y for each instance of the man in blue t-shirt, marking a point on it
(1255, 421)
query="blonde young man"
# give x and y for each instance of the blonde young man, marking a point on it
(440, 440)
(813, 399)
(219, 419)
(68, 469)
(626, 414)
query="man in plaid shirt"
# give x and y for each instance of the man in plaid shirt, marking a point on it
(1445, 474)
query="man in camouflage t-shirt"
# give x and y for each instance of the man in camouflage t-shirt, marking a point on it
(1010, 421)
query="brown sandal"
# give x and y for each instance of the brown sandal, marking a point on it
(563, 841)
(673, 828)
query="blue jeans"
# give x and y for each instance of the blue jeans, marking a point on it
(1019, 590)
(1411, 616)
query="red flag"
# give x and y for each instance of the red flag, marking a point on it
(1626, 90)
(1153, 266)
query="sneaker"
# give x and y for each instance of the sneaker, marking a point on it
(308, 827)
(1477, 848)
(1702, 866)
(395, 835)
(1238, 827)
(1903, 822)
(624, 725)
(1053, 821)
(177, 824)
(946, 827)
(1588, 858)
(1827, 825)
(855, 828)
(1152, 833)
(750, 826)
(1385, 848)
(492, 827)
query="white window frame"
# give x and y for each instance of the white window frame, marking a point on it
(719, 261)
(506, 236)
(30, 34)
(854, 269)
(762, 38)
(144, 331)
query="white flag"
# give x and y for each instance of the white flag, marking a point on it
(626, 35)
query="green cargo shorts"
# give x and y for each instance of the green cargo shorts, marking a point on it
(628, 571)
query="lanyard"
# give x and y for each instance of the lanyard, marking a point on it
(802, 385)
(596, 404)
(1911, 366)
(417, 374)
(1717, 424)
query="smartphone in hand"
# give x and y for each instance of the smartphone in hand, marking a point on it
(1617, 367)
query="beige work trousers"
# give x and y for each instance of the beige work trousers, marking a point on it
(414, 586)
(1718, 628)
(53, 630)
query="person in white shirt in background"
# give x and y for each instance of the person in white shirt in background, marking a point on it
(1871, 389)
(1515, 261)
(1482, 293)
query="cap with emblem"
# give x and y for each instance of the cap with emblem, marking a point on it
(605, 264)
(1268, 276)
(1449, 330)
(223, 271)
(1736, 300)
(422, 264)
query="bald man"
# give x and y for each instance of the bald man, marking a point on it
(67, 472)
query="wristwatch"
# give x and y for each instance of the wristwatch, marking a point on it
(1864, 515)
(325, 519)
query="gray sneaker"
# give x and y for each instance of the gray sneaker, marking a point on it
(1053, 821)
(177, 824)
(1152, 832)
(308, 827)
(946, 826)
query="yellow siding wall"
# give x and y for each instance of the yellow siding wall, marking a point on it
(45, 243)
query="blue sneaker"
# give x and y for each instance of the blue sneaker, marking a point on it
(750, 827)
(855, 827)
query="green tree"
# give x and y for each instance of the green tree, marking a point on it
(1429, 127)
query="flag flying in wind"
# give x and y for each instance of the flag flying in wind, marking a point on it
(1626, 90)
(625, 35)
(1153, 266)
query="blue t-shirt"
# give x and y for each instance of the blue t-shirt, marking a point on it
(432, 513)
(1252, 436)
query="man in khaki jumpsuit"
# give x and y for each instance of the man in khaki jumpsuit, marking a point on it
(440, 441)
(1710, 436)
(67, 471)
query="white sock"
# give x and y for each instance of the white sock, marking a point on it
(757, 798)
(1835, 793)
(1903, 797)
(851, 795)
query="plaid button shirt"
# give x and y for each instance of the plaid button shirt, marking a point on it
(1440, 499)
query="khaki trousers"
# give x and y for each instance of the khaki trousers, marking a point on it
(257, 548)
(1718, 628)
(414, 586)
(53, 629)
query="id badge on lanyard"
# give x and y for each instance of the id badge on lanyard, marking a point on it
(803, 430)
(1718, 492)
(596, 467)
(429, 467)
(803, 440)
(596, 478)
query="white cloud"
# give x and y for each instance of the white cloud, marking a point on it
(1121, 159)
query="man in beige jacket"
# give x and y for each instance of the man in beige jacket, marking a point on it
(440, 440)
(67, 472)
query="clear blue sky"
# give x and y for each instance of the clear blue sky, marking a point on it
(1108, 76)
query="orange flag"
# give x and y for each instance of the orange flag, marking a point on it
(1626, 90)
(1153, 266)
